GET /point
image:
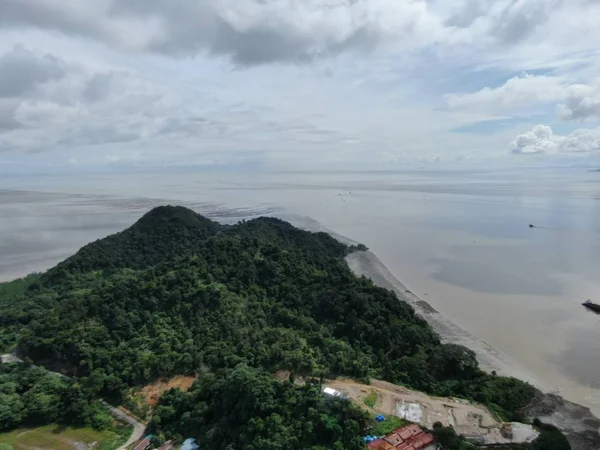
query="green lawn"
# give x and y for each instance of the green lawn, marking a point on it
(56, 437)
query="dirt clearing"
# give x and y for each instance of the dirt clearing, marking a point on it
(417, 406)
(152, 392)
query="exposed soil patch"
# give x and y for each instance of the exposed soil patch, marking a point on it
(390, 397)
(152, 392)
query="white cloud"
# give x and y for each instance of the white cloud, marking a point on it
(574, 101)
(120, 111)
(505, 21)
(533, 34)
(581, 102)
(51, 103)
(541, 139)
(516, 92)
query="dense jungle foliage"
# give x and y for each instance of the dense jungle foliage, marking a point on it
(31, 396)
(250, 409)
(179, 294)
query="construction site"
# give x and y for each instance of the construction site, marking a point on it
(473, 421)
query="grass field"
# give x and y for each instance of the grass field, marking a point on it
(371, 399)
(56, 437)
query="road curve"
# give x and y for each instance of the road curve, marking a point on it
(138, 427)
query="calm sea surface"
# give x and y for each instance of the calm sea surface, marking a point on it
(459, 240)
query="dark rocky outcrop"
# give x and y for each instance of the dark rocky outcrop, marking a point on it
(577, 422)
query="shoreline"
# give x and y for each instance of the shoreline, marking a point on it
(366, 263)
(576, 421)
(490, 359)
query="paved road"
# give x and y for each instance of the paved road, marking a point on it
(138, 427)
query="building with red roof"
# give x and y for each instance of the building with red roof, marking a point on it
(143, 444)
(167, 446)
(410, 437)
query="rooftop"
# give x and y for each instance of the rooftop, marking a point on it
(410, 437)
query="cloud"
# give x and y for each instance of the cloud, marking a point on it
(50, 104)
(252, 32)
(117, 111)
(573, 101)
(541, 139)
(248, 31)
(7, 115)
(98, 87)
(582, 102)
(22, 71)
(516, 92)
(163, 80)
(515, 20)
(79, 18)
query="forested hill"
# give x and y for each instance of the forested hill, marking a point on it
(179, 294)
(162, 233)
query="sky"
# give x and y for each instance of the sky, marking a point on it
(297, 84)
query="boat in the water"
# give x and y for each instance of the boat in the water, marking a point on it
(591, 305)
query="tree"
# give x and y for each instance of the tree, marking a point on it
(11, 411)
(447, 437)
(451, 361)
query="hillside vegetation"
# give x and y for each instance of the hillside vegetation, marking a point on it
(31, 396)
(179, 294)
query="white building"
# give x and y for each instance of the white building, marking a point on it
(332, 392)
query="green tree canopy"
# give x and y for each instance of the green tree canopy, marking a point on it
(179, 294)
